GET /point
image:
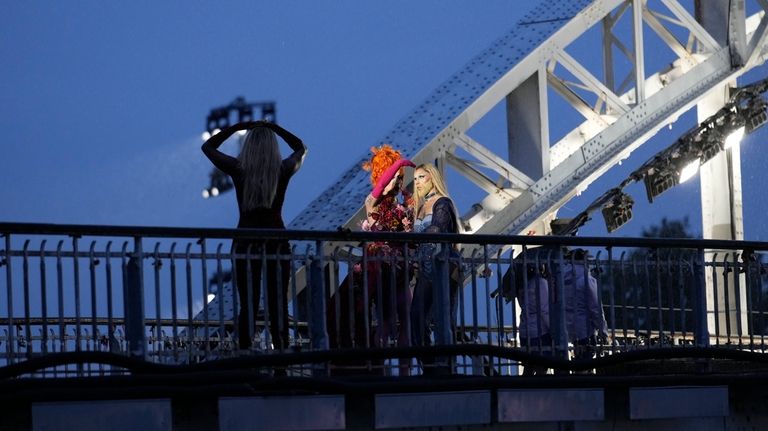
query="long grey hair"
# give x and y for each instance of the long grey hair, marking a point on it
(260, 160)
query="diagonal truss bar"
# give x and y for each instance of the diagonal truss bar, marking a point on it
(573, 98)
(693, 26)
(678, 48)
(468, 171)
(597, 87)
(758, 39)
(492, 161)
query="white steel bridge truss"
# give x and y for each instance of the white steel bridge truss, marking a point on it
(619, 104)
(522, 189)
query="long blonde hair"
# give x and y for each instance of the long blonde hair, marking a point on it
(438, 183)
(260, 160)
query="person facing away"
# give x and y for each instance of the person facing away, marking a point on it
(434, 212)
(260, 178)
(584, 316)
(528, 283)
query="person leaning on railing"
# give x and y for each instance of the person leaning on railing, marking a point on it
(260, 178)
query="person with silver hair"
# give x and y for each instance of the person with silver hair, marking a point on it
(260, 177)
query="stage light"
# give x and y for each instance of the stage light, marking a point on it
(219, 118)
(734, 138)
(245, 114)
(618, 211)
(689, 169)
(658, 180)
(756, 114)
(268, 112)
(711, 147)
(745, 112)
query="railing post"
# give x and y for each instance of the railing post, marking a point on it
(318, 329)
(10, 343)
(133, 303)
(441, 288)
(557, 313)
(701, 327)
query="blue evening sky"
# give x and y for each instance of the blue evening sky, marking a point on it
(103, 103)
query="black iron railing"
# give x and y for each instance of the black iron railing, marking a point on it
(94, 300)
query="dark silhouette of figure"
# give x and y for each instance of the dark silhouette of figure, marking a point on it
(260, 178)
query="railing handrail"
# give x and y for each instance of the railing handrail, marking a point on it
(348, 236)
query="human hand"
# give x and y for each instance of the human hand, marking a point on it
(392, 184)
(486, 272)
(386, 181)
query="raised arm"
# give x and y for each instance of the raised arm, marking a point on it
(299, 149)
(385, 183)
(211, 147)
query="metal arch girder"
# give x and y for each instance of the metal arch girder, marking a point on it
(462, 100)
(605, 149)
(431, 130)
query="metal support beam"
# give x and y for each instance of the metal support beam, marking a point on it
(528, 128)
(721, 199)
(701, 33)
(611, 99)
(637, 35)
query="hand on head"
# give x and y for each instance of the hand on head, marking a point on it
(388, 180)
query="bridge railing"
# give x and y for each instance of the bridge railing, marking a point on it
(97, 300)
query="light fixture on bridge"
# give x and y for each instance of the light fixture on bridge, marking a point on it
(756, 114)
(217, 119)
(618, 211)
(220, 118)
(745, 112)
(220, 183)
(688, 170)
(659, 177)
(734, 138)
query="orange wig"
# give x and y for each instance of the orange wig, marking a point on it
(383, 157)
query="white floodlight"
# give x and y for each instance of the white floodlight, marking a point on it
(734, 138)
(211, 297)
(206, 194)
(689, 170)
(214, 191)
